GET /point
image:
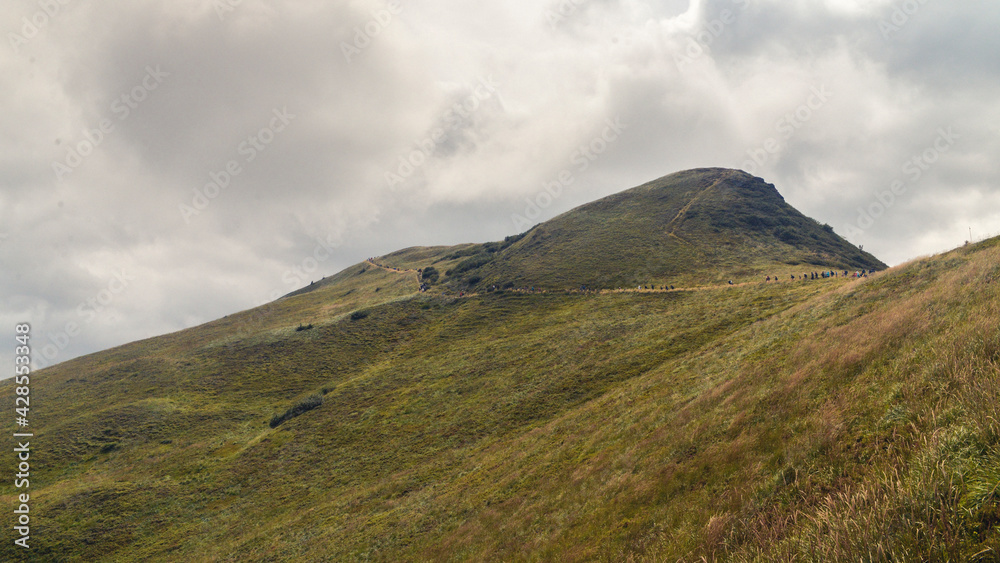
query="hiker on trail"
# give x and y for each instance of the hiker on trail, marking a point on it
(767, 279)
(730, 282)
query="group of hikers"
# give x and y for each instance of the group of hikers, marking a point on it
(384, 267)
(824, 275)
(652, 287)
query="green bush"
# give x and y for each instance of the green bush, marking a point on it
(471, 264)
(307, 404)
(429, 275)
(358, 315)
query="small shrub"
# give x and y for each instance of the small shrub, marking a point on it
(786, 235)
(358, 315)
(509, 240)
(472, 263)
(305, 405)
(429, 275)
(301, 327)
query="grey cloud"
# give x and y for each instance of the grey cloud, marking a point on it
(324, 175)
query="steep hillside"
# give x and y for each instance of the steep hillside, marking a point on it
(815, 420)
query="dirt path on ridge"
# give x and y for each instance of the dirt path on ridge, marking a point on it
(416, 274)
(653, 289)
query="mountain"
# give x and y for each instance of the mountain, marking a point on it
(698, 227)
(694, 227)
(837, 419)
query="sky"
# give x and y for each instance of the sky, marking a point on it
(166, 163)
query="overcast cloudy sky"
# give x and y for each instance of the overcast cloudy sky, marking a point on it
(163, 164)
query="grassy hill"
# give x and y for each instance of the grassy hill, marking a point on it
(826, 420)
(696, 227)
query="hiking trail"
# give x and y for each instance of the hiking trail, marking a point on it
(652, 289)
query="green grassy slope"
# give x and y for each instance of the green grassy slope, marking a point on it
(806, 421)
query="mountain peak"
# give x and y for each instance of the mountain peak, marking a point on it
(694, 226)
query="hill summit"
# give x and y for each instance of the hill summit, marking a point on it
(693, 227)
